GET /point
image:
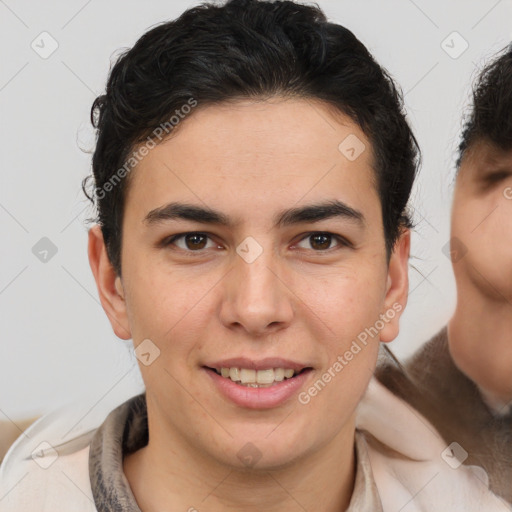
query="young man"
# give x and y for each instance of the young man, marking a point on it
(462, 379)
(252, 171)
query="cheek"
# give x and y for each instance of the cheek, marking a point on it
(492, 261)
(347, 302)
(162, 304)
(484, 229)
(349, 309)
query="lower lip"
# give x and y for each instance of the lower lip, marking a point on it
(258, 398)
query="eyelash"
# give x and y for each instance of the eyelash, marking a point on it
(342, 242)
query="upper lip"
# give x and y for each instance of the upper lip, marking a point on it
(260, 364)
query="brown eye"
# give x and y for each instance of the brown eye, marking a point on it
(195, 241)
(191, 242)
(321, 241)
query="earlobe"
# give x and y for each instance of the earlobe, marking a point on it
(397, 288)
(109, 285)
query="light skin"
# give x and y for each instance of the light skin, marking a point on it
(480, 331)
(304, 298)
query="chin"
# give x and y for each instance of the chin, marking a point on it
(267, 450)
(256, 461)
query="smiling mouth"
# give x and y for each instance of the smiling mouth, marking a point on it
(257, 378)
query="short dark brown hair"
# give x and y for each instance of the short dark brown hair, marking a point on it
(490, 114)
(247, 49)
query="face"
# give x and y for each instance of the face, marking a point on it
(482, 222)
(252, 243)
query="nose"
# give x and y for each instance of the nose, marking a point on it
(256, 299)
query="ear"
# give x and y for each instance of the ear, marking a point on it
(109, 284)
(397, 287)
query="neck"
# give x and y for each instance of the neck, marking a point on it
(480, 341)
(169, 471)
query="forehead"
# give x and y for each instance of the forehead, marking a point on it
(275, 150)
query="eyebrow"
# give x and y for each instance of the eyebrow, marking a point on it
(494, 168)
(204, 215)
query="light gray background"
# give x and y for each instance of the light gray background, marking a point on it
(56, 342)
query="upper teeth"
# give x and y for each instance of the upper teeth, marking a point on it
(248, 376)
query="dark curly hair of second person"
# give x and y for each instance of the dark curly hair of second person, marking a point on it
(489, 116)
(247, 49)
